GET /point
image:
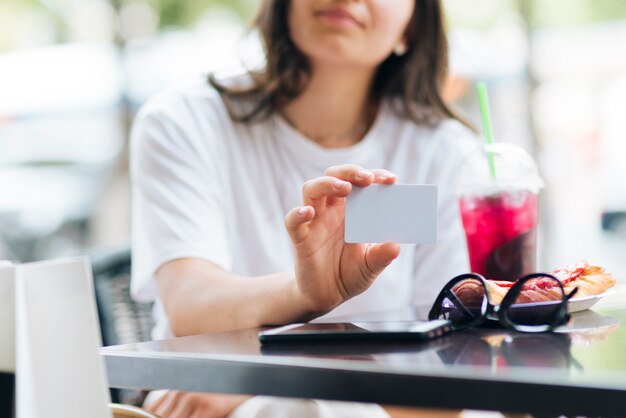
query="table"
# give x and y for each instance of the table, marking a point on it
(580, 370)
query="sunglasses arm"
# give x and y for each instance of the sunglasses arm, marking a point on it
(571, 294)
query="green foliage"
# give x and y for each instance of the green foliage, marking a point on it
(477, 14)
(558, 13)
(185, 13)
(15, 15)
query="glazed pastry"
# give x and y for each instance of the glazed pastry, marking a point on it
(590, 280)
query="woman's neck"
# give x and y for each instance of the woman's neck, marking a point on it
(334, 110)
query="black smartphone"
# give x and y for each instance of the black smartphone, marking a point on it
(357, 331)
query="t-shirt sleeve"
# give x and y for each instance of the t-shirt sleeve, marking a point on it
(177, 198)
(436, 264)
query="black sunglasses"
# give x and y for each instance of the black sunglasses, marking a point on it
(464, 301)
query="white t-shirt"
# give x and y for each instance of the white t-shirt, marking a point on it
(209, 188)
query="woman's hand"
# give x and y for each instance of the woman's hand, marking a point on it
(175, 404)
(328, 270)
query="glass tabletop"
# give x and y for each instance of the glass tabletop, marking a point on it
(590, 351)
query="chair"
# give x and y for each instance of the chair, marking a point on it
(122, 320)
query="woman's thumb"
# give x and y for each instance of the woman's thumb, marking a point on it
(379, 256)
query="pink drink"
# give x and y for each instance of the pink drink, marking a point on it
(501, 233)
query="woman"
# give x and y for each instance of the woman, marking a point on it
(350, 96)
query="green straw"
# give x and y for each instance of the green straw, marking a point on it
(483, 102)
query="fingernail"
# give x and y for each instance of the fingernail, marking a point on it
(388, 175)
(361, 174)
(302, 211)
(339, 184)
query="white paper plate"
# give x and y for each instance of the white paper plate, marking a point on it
(583, 303)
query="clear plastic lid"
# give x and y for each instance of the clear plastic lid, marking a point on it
(513, 168)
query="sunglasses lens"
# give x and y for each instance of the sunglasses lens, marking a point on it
(465, 303)
(538, 303)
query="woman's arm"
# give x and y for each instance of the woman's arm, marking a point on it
(201, 297)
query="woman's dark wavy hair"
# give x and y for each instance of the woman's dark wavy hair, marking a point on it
(414, 79)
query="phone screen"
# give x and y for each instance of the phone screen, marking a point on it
(351, 331)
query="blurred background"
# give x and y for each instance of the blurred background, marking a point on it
(73, 73)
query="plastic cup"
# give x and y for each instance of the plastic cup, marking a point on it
(500, 214)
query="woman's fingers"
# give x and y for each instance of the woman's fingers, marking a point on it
(360, 176)
(167, 404)
(383, 176)
(324, 187)
(176, 404)
(337, 183)
(297, 222)
(379, 256)
(152, 407)
(352, 173)
(184, 407)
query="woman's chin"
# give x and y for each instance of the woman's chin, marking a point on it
(341, 52)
